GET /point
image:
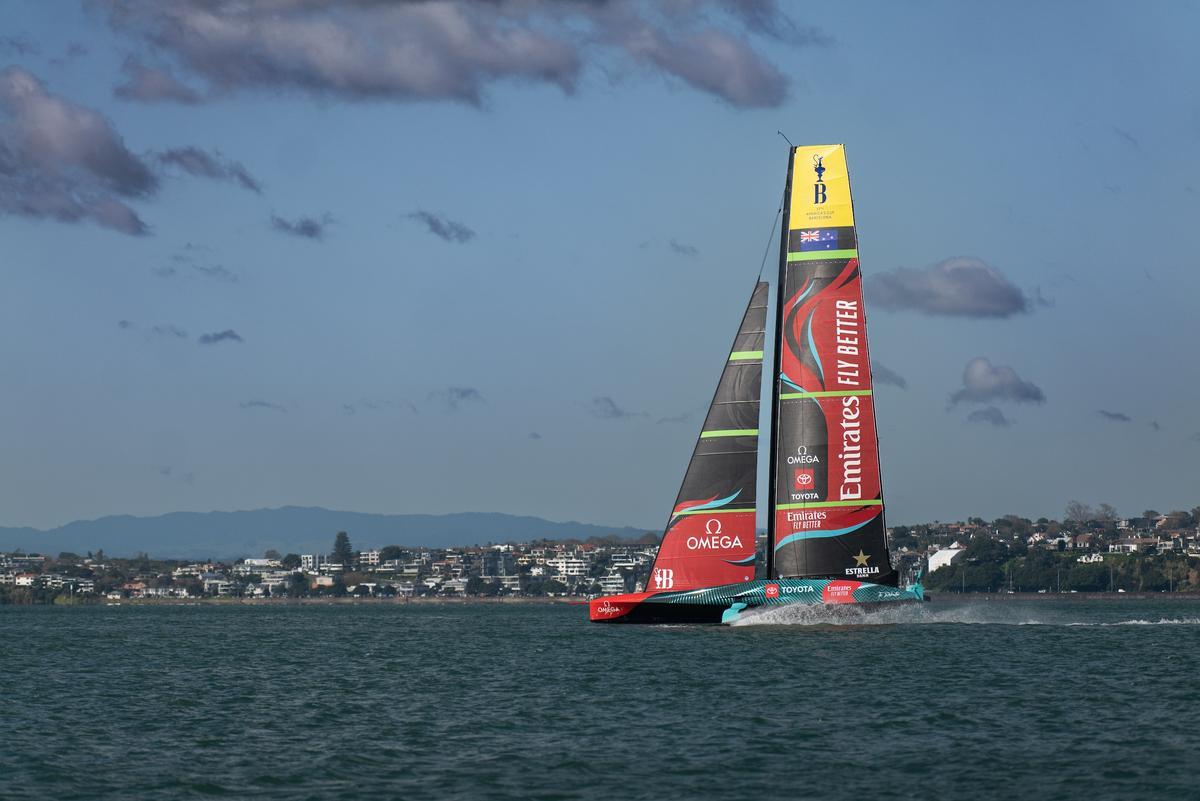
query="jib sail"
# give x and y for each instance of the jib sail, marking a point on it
(827, 516)
(709, 539)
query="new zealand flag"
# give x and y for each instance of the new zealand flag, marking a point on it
(807, 240)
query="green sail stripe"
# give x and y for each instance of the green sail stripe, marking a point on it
(711, 512)
(730, 432)
(817, 255)
(831, 394)
(745, 355)
(827, 504)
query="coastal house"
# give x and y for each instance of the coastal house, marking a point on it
(313, 562)
(454, 586)
(612, 583)
(573, 566)
(1134, 545)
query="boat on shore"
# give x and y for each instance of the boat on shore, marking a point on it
(826, 538)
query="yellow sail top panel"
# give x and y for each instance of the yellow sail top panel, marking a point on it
(820, 188)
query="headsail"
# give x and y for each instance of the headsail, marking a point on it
(709, 539)
(827, 519)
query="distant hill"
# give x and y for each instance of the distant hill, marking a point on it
(223, 535)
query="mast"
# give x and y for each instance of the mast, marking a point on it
(776, 352)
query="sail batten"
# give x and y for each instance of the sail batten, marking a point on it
(826, 518)
(709, 537)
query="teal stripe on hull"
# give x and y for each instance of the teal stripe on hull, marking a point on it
(789, 591)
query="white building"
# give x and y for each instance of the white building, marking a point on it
(945, 557)
(313, 562)
(612, 583)
(569, 565)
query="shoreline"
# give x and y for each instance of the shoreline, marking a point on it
(934, 598)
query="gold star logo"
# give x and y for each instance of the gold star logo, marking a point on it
(861, 559)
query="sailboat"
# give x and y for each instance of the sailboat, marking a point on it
(826, 540)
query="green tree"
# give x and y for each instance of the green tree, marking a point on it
(297, 585)
(1090, 577)
(553, 587)
(1077, 512)
(389, 552)
(342, 554)
(272, 554)
(475, 586)
(1178, 519)
(291, 561)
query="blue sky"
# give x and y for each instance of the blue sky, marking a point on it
(613, 170)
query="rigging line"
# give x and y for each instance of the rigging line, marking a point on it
(774, 225)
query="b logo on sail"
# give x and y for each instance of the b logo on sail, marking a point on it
(664, 578)
(819, 187)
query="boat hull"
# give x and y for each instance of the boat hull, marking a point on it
(725, 603)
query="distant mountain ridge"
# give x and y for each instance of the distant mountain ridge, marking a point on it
(296, 529)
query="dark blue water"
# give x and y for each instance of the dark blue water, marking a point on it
(1051, 699)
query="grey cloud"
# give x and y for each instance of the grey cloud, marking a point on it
(456, 50)
(958, 287)
(161, 331)
(306, 227)
(605, 408)
(534, 435)
(985, 383)
(1195, 437)
(188, 256)
(61, 161)
(674, 418)
(990, 415)
(153, 85)
(216, 272)
(711, 60)
(169, 332)
(167, 471)
(1154, 424)
(683, 249)
(228, 335)
(883, 375)
(195, 161)
(262, 404)
(18, 45)
(74, 51)
(1127, 136)
(765, 17)
(1116, 417)
(454, 398)
(442, 227)
(375, 405)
